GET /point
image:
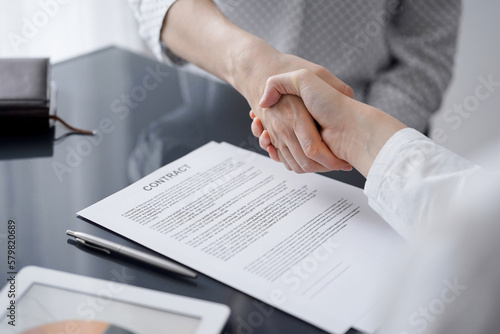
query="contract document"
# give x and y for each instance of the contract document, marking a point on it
(305, 244)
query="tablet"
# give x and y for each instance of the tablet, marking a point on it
(39, 300)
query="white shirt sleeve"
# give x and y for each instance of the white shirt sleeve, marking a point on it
(450, 284)
(413, 180)
(150, 15)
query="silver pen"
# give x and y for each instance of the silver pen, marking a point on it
(109, 246)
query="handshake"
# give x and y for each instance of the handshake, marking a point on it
(332, 132)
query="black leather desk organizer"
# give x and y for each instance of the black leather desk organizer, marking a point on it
(25, 96)
(28, 109)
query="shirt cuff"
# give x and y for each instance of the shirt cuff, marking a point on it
(169, 57)
(387, 154)
(379, 176)
(151, 16)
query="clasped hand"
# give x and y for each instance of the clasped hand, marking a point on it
(289, 126)
(353, 132)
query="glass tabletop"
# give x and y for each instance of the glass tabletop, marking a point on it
(145, 115)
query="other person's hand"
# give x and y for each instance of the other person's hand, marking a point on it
(353, 131)
(287, 124)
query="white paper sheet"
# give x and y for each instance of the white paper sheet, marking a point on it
(306, 244)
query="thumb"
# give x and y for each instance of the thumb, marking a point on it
(318, 96)
(281, 84)
(292, 83)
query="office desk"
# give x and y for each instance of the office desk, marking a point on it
(44, 183)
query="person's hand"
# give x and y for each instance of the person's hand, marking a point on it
(246, 62)
(353, 131)
(324, 103)
(295, 138)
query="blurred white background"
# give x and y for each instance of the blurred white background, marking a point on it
(75, 27)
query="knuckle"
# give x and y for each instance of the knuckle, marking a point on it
(349, 91)
(279, 145)
(338, 165)
(303, 74)
(286, 105)
(278, 127)
(320, 70)
(298, 170)
(254, 129)
(270, 81)
(263, 143)
(311, 150)
(308, 167)
(280, 130)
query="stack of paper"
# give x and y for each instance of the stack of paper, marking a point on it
(306, 244)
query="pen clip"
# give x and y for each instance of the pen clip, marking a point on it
(86, 243)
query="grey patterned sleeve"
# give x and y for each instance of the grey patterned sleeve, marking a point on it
(150, 15)
(421, 36)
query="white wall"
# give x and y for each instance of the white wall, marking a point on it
(73, 27)
(478, 57)
(81, 26)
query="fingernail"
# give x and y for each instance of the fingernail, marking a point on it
(347, 169)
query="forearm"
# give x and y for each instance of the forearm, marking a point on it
(361, 134)
(355, 132)
(198, 31)
(375, 128)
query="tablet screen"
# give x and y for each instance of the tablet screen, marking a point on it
(43, 305)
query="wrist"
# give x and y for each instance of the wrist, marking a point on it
(200, 33)
(372, 129)
(249, 66)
